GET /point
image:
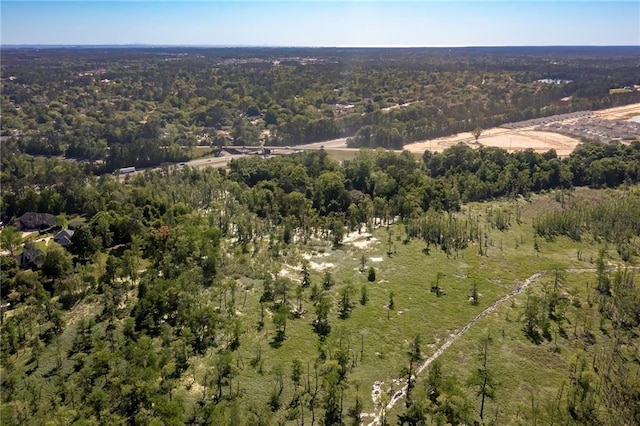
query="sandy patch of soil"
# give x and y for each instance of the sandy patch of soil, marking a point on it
(28, 233)
(289, 272)
(520, 139)
(376, 392)
(355, 235)
(359, 240)
(320, 266)
(619, 113)
(511, 140)
(537, 140)
(309, 256)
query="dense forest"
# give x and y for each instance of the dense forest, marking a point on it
(144, 107)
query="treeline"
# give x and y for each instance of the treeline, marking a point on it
(492, 172)
(614, 221)
(373, 186)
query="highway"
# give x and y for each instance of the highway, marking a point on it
(222, 161)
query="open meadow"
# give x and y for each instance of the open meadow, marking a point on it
(377, 338)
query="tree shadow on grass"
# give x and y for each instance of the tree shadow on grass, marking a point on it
(533, 335)
(277, 340)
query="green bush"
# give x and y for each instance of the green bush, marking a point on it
(372, 274)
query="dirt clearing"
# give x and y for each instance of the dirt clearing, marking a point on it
(619, 113)
(522, 138)
(360, 241)
(511, 140)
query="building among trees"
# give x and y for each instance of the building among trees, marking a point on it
(31, 221)
(63, 237)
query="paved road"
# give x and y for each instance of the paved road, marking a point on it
(216, 162)
(340, 143)
(333, 143)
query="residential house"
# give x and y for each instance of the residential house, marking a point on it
(75, 225)
(63, 237)
(30, 259)
(31, 221)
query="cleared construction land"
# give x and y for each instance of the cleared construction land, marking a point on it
(511, 140)
(619, 113)
(521, 137)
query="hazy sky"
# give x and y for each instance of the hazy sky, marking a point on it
(322, 23)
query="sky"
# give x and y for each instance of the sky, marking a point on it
(321, 23)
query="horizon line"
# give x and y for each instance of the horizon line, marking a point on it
(70, 45)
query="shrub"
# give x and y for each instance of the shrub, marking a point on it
(372, 274)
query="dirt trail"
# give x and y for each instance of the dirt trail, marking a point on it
(402, 392)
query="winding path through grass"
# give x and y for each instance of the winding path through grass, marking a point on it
(402, 392)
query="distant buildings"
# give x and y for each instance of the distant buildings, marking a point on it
(554, 81)
(548, 119)
(596, 129)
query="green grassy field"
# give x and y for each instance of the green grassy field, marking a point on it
(379, 338)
